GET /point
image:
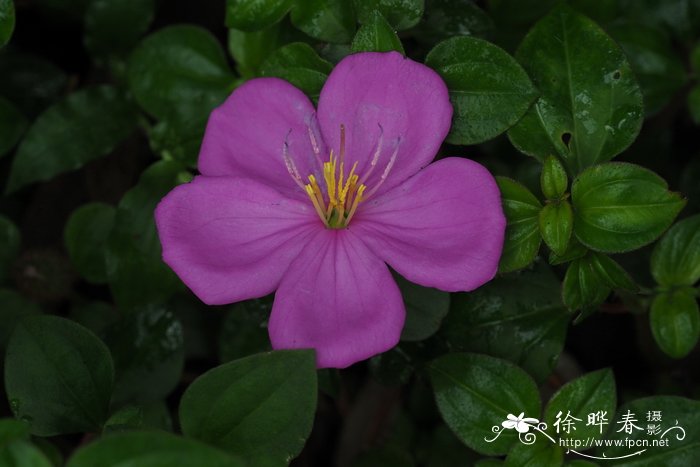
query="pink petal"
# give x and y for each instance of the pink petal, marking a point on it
(339, 299)
(231, 239)
(442, 228)
(245, 135)
(408, 100)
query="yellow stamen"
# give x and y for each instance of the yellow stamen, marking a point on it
(317, 206)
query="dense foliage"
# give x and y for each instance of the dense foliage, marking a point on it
(588, 112)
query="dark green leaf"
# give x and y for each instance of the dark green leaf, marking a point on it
(401, 14)
(655, 62)
(299, 64)
(13, 307)
(244, 329)
(113, 27)
(250, 49)
(683, 446)
(680, 18)
(448, 18)
(522, 233)
(217, 406)
(488, 89)
(553, 179)
(542, 452)
(325, 20)
(583, 289)
(7, 21)
(425, 309)
(676, 258)
(611, 273)
(519, 317)
(173, 140)
(254, 15)
(694, 104)
(620, 207)
(590, 394)
(136, 272)
(97, 316)
(150, 449)
(12, 429)
(86, 125)
(585, 118)
(22, 454)
(556, 225)
(12, 125)
(574, 251)
(147, 347)
(29, 82)
(376, 35)
(475, 393)
(58, 376)
(10, 241)
(85, 236)
(675, 321)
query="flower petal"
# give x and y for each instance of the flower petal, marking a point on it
(231, 239)
(245, 135)
(408, 100)
(339, 299)
(442, 228)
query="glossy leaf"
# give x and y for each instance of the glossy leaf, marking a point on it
(12, 126)
(250, 49)
(135, 269)
(553, 180)
(675, 321)
(401, 14)
(425, 309)
(7, 20)
(475, 393)
(299, 64)
(448, 18)
(585, 118)
(488, 89)
(611, 273)
(583, 289)
(620, 207)
(591, 393)
(656, 64)
(148, 350)
(85, 235)
(325, 20)
(58, 376)
(376, 35)
(522, 232)
(59, 140)
(518, 317)
(10, 241)
(113, 27)
(574, 251)
(556, 225)
(676, 258)
(216, 407)
(254, 15)
(542, 452)
(150, 449)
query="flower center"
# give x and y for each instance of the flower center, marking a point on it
(344, 190)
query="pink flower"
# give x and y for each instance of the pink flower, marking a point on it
(312, 204)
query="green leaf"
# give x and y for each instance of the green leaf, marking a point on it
(488, 89)
(250, 49)
(574, 251)
(7, 21)
(675, 321)
(58, 376)
(401, 14)
(136, 272)
(685, 413)
(254, 15)
(326, 20)
(553, 179)
(13, 307)
(244, 329)
(30, 82)
(85, 236)
(10, 241)
(86, 125)
(376, 35)
(556, 224)
(425, 309)
(12, 125)
(678, 17)
(541, 452)
(590, 394)
(149, 449)
(654, 61)
(299, 64)
(21, 453)
(217, 406)
(611, 273)
(585, 118)
(97, 316)
(694, 104)
(148, 351)
(676, 258)
(475, 393)
(522, 239)
(113, 27)
(448, 18)
(518, 317)
(620, 207)
(583, 288)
